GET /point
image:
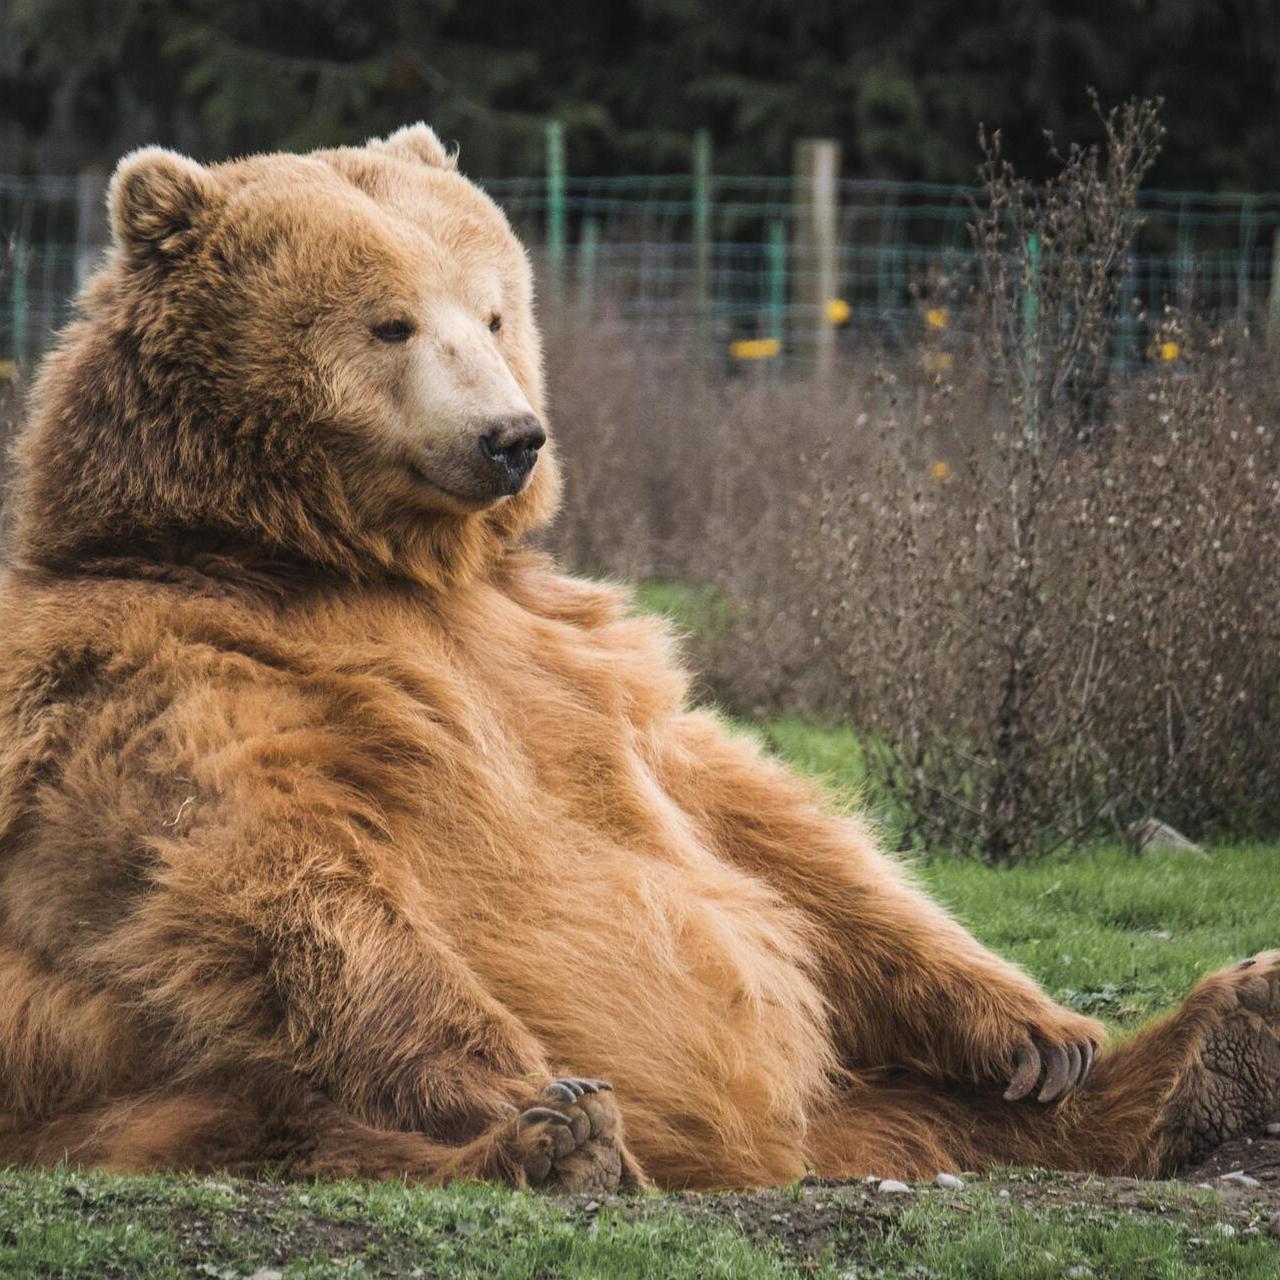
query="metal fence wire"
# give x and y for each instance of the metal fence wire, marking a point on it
(726, 263)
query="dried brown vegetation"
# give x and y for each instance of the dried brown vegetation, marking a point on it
(1046, 587)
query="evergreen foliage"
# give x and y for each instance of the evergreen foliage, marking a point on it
(903, 86)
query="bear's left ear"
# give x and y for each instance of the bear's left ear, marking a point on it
(418, 142)
(156, 199)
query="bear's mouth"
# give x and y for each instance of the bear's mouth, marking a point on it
(474, 501)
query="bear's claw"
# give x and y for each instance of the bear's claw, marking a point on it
(1056, 1068)
(570, 1138)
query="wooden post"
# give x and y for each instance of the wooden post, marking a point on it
(555, 203)
(702, 237)
(815, 218)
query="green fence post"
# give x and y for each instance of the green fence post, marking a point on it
(1126, 347)
(588, 251)
(1031, 342)
(776, 258)
(21, 257)
(1244, 259)
(1273, 298)
(555, 203)
(1186, 265)
(702, 236)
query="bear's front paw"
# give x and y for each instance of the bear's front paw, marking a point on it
(570, 1139)
(1050, 1057)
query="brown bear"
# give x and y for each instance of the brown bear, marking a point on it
(341, 833)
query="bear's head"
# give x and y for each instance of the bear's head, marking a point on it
(330, 359)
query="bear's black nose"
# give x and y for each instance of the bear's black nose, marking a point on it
(513, 443)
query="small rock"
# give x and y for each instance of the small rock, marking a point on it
(950, 1181)
(1078, 1272)
(218, 1186)
(1151, 833)
(1238, 1178)
(1223, 1228)
(1273, 1227)
(591, 1206)
(1273, 1129)
(892, 1187)
(1003, 1193)
(267, 1273)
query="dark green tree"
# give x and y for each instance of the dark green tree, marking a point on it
(902, 85)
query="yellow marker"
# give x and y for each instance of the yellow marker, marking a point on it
(755, 348)
(941, 470)
(8, 370)
(1169, 351)
(838, 311)
(937, 361)
(936, 317)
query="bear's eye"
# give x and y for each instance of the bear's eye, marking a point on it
(399, 330)
(495, 323)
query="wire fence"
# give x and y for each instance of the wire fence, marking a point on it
(724, 262)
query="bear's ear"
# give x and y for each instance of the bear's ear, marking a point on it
(418, 142)
(156, 199)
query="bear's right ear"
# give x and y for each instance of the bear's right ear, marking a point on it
(418, 142)
(156, 198)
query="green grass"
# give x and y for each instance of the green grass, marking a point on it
(998, 1241)
(160, 1228)
(99, 1226)
(695, 610)
(1114, 934)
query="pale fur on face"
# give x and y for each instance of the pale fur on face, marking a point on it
(446, 385)
(474, 358)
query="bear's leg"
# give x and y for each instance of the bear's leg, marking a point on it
(907, 985)
(568, 1138)
(1206, 1073)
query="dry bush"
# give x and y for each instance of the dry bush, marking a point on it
(1073, 628)
(672, 472)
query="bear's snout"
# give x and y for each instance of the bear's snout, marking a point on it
(510, 446)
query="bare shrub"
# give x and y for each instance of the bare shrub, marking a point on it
(672, 472)
(1058, 638)
(1045, 592)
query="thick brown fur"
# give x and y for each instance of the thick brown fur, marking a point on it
(334, 823)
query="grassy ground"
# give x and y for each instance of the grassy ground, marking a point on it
(1118, 936)
(160, 1228)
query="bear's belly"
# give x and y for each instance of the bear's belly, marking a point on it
(684, 982)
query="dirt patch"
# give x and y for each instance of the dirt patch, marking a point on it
(810, 1222)
(806, 1220)
(1256, 1157)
